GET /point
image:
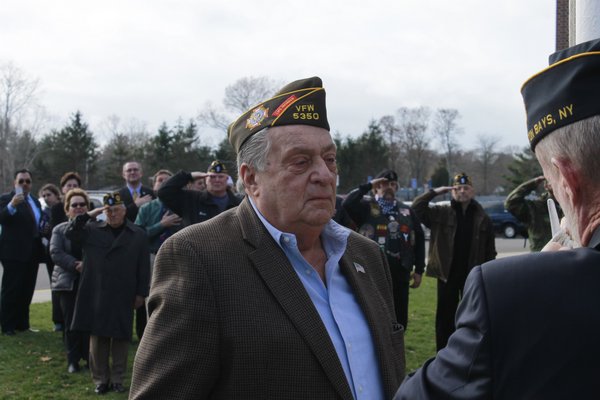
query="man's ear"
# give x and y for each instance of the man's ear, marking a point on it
(569, 179)
(248, 176)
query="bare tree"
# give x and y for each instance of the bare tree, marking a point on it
(247, 91)
(447, 130)
(487, 155)
(413, 124)
(391, 133)
(239, 97)
(17, 95)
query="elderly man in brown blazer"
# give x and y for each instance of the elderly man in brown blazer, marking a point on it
(273, 299)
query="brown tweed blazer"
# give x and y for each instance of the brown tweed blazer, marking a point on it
(230, 319)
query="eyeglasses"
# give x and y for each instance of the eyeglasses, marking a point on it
(76, 205)
(22, 181)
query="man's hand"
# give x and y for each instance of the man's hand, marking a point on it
(170, 219)
(443, 189)
(416, 278)
(78, 266)
(139, 301)
(17, 199)
(140, 201)
(375, 182)
(198, 174)
(97, 211)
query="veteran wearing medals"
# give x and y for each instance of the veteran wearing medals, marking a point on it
(528, 326)
(396, 229)
(273, 299)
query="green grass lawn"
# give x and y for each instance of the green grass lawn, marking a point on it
(34, 366)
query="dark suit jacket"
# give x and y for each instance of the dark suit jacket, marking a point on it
(132, 209)
(17, 238)
(527, 328)
(230, 318)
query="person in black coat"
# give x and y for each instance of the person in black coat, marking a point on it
(21, 251)
(194, 206)
(115, 279)
(528, 326)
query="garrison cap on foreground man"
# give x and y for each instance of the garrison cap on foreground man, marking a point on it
(528, 326)
(272, 298)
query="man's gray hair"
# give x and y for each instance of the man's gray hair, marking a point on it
(579, 142)
(254, 153)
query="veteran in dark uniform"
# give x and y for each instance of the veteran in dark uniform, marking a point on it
(528, 326)
(273, 299)
(197, 206)
(114, 280)
(394, 226)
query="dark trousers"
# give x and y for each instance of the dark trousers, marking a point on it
(400, 291)
(448, 296)
(77, 344)
(18, 285)
(141, 319)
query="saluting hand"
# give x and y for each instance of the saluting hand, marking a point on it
(97, 211)
(443, 189)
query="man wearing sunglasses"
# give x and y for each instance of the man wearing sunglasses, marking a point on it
(20, 253)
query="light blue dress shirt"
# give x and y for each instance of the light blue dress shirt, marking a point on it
(340, 312)
(36, 211)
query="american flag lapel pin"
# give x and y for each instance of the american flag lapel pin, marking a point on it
(359, 268)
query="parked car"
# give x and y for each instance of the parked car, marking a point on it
(504, 222)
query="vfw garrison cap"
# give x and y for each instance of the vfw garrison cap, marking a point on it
(388, 174)
(301, 102)
(112, 199)
(462, 179)
(565, 92)
(217, 167)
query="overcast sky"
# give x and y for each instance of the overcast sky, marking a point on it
(156, 61)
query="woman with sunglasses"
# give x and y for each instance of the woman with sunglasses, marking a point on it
(67, 256)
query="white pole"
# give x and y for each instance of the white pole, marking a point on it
(587, 26)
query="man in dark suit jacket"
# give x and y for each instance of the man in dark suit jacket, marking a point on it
(273, 299)
(134, 194)
(21, 251)
(528, 326)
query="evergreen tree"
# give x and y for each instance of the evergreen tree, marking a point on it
(524, 166)
(360, 158)
(73, 148)
(440, 176)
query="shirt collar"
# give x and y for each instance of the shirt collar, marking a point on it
(333, 232)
